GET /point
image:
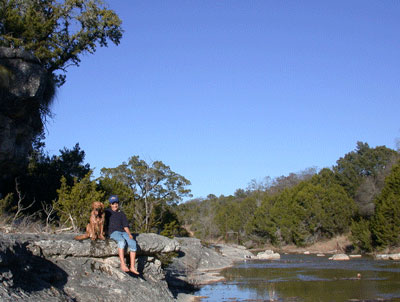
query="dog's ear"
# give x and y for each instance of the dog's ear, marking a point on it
(93, 205)
(102, 205)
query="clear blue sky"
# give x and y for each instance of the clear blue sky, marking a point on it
(228, 91)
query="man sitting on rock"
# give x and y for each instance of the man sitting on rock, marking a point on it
(117, 228)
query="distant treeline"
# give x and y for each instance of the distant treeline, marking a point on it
(359, 196)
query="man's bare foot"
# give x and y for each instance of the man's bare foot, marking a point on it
(124, 268)
(133, 270)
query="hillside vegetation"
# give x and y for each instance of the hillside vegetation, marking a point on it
(360, 196)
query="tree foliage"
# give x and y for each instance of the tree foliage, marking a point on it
(153, 186)
(362, 163)
(58, 32)
(313, 209)
(303, 208)
(74, 202)
(43, 174)
(361, 235)
(199, 215)
(385, 225)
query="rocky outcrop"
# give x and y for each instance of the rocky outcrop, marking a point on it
(49, 267)
(64, 245)
(198, 265)
(24, 89)
(58, 268)
(192, 267)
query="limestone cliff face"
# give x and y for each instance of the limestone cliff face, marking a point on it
(23, 89)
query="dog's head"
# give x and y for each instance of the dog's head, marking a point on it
(98, 207)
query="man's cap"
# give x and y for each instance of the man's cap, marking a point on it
(113, 199)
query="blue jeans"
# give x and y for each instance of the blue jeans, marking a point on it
(122, 238)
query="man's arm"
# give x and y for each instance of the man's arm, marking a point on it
(126, 229)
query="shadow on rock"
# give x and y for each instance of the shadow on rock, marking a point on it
(176, 277)
(21, 270)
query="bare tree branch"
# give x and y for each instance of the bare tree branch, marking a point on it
(20, 207)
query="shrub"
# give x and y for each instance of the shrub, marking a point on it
(74, 202)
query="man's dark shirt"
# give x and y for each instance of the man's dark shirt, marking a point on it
(115, 221)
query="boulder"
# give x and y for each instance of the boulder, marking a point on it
(268, 255)
(382, 257)
(234, 252)
(339, 257)
(388, 256)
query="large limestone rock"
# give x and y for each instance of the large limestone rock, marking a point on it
(340, 257)
(22, 74)
(234, 252)
(268, 255)
(23, 84)
(57, 268)
(196, 264)
(388, 256)
(64, 245)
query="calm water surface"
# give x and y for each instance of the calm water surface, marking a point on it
(307, 278)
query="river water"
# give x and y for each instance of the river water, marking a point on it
(307, 278)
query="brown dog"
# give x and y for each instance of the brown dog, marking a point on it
(95, 227)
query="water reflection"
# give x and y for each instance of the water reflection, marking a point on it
(308, 278)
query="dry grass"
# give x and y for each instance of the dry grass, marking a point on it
(337, 244)
(25, 225)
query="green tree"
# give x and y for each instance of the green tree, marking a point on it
(385, 224)
(171, 225)
(111, 186)
(233, 213)
(228, 216)
(361, 235)
(325, 209)
(74, 202)
(302, 214)
(356, 166)
(153, 186)
(44, 172)
(6, 203)
(273, 220)
(58, 32)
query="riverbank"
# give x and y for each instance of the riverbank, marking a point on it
(338, 244)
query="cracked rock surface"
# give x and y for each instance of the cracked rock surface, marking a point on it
(41, 267)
